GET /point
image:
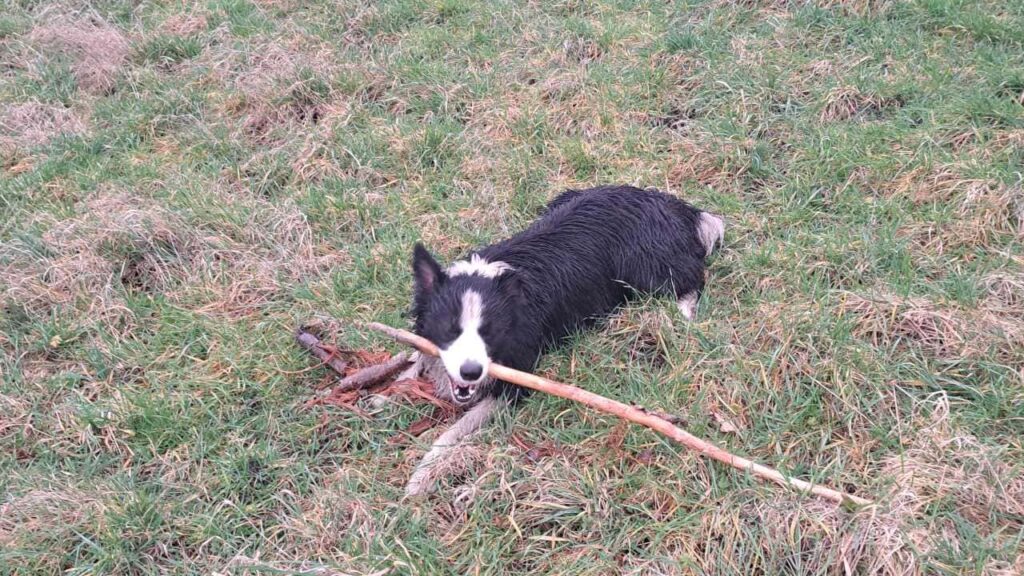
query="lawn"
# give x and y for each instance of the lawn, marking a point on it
(182, 183)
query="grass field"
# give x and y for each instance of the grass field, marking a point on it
(184, 182)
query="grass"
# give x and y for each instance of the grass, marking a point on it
(182, 183)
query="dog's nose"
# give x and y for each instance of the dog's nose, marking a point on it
(471, 371)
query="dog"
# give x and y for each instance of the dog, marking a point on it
(588, 253)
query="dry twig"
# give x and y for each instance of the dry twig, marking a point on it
(358, 380)
(371, 374)
(327, 354)
(632, 414)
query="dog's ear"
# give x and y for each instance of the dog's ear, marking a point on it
(426, 271)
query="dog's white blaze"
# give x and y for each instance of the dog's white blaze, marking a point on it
(477, 265)
(469, 346)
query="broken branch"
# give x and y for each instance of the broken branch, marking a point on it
(310, 342)
(357, 381)
(372, 374)
(632, 414)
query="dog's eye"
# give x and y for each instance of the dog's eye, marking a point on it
(485, 330)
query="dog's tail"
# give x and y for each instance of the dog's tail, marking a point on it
(711, 231)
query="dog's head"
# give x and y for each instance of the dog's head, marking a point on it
(469, 310)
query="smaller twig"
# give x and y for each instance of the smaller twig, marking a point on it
(371, 374)
(677, 420)
(327, 354)
(357, 381)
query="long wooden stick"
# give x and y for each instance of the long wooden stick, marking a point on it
(632, 414)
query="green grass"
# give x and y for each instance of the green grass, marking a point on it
(181, 184)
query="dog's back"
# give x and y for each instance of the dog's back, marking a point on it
(592, 249)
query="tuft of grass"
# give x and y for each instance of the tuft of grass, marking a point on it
(181, 184)
(169, 50)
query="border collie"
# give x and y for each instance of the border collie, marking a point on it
(510, 302)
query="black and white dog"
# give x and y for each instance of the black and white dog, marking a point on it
(510, 302)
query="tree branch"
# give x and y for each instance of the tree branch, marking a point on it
(633, 414)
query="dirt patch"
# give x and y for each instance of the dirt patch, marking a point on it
(97, 49)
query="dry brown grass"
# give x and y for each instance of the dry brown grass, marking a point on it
(1005, 291)
(185, 23)
(34, 123)
(116, 237)
(929, 186)
(125, 243)
(328, 518)
(52, 516)
(859, 7)
(272, 100)
(710, 162)
(940, 465)
(943, 331)
(248, 267)
(97, 49)
(847, 102)
(985, 214)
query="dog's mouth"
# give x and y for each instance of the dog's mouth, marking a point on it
(463, 393)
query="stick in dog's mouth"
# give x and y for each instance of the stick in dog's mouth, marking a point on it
(607, 405)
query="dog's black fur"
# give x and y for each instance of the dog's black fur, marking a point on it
(586, 255)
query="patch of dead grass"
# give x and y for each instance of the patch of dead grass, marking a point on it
(716, 164)
(48, 519)
(328, 518)
(185, 24)
(244, 270)
(944, 331)
(33, 124)
(97, 49)
(1005, 291)
(846, 102)
(888, 321)
(986, 213)
(278, 88)
(859, 7)
(121, 243)
(82, 258)
(939, 466)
